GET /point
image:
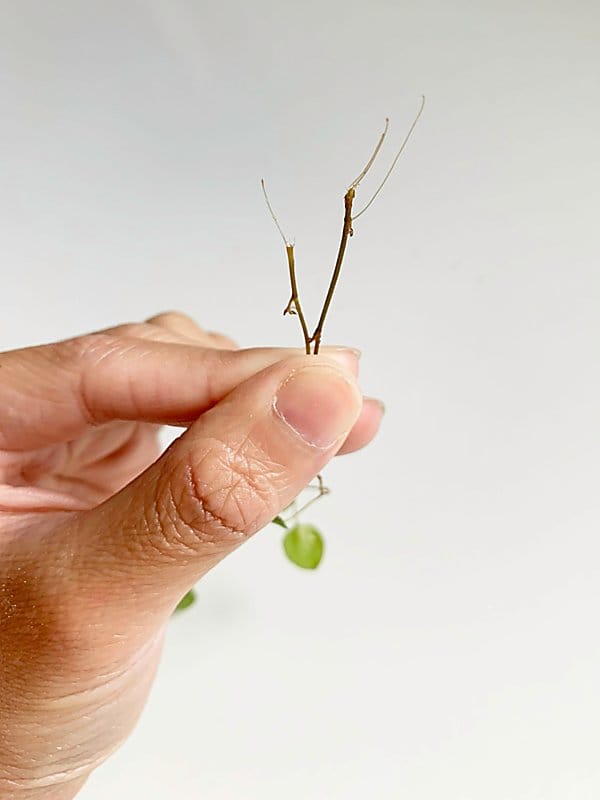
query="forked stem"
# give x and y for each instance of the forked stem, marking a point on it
(293, 305)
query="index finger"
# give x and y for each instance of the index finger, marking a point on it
(53, 393)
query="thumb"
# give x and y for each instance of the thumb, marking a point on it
(225, 478)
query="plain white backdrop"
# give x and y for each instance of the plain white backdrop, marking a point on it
(448, 648)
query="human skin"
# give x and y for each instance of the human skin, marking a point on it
(100, 537)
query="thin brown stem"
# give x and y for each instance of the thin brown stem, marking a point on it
(294, 304)
(322, 491)
(346, 232)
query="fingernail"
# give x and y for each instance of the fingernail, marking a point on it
(336, 348)
(348, 357)
(319, 404)
(377, 402)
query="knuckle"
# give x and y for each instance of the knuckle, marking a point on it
(128, 329)
(93, 346)
(92, 350)
(223, 340)
(71, 353)
(99, 344)
(175, 322)
(172, 317)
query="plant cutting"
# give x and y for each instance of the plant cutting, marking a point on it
(303, 543)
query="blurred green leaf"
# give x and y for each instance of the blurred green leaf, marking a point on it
(279, 521)
(186, 601)
(303, 545)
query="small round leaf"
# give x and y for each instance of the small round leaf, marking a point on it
(303, 545)
(188, 599)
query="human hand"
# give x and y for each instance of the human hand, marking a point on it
(99, 539)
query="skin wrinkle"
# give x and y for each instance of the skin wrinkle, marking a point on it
(22, 468)
(73, 483)
(225, 528)
(234, 461)
(66, 791)
(74, 354)
(89, 451)
(108, 346)
(94, 705)
(203, 524)
(29, 374)
(138, 448)
(64, 467)
(131, 389)
(88, 367)
(233, 493)
(224, 362)
(134, 434)
(70, 771)
(12, 398)
(171, 524)
(160, 501)
(109, 679)
(210, 383)
(246, 456)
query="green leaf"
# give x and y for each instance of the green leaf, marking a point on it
(186, 601)
(303, 545)
(279, 521)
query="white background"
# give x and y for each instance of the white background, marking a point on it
(448, 648)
